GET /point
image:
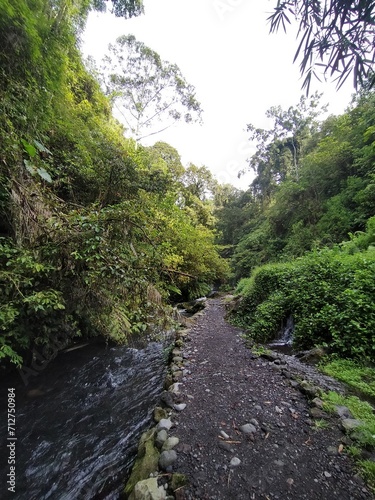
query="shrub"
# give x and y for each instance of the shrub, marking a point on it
(330, 295)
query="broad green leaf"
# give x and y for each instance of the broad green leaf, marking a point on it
(29, 148)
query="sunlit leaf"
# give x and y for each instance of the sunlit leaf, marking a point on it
(29, 148)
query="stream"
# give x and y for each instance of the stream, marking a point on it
(78, 422)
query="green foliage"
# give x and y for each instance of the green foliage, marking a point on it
(93, 237)
(320, 424)
(367, 470)
(329, 294)
(259, 349)
(337, 35)
(121, 8)
(364, 435)
(28, 305)
(284, 215)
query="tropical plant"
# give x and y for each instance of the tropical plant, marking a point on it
(336, 35)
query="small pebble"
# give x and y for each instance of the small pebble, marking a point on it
(235, 462)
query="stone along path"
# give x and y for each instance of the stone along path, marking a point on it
(246, 432)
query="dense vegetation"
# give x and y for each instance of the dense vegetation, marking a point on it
(307, 221)
(96, 232)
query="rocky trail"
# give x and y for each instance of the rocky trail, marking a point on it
(247, 431)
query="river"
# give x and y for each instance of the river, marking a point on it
(78, 422)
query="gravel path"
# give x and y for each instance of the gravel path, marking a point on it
(281, 454)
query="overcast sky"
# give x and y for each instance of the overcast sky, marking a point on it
(239, 70)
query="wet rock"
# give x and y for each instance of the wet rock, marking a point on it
(194, 306)
(167, 458)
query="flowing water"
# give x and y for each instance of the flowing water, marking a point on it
(283, 342)
(78, 422)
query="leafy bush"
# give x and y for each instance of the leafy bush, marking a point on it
(330, 294)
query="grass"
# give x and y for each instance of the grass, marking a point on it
(320, 424)
(358, 377)
(354, 451)
(367, 470)
(259, 349)
(363, 436)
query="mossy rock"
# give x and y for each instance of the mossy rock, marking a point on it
(160, 413)
(178, 481)
(146, 462)
(168, 381)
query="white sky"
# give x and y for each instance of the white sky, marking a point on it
(239, 70)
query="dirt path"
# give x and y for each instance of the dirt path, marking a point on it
(284, 457)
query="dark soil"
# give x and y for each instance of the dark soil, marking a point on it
(288, 457)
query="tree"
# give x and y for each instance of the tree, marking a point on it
(279, 148)
(121, 8)
(166, 158)
(338, 35)
(199, 181)
(147, 90)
